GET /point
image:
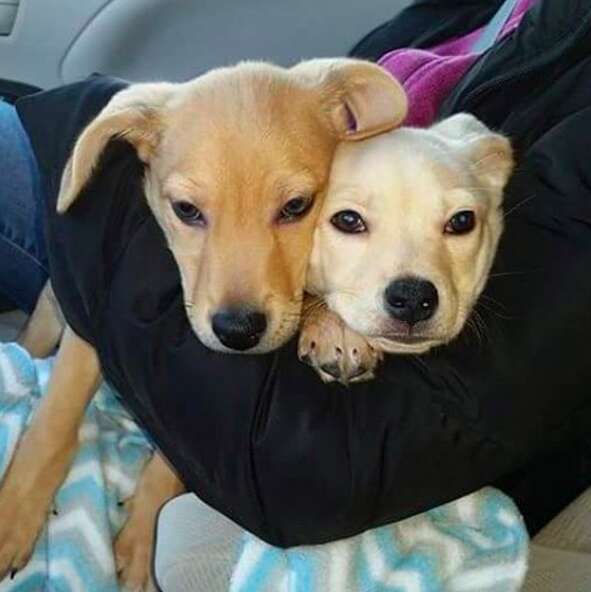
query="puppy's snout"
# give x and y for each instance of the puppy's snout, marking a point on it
(239, 328)
(411, 299)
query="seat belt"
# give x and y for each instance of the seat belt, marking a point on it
(490, 35)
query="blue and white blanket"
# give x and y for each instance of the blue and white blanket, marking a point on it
(74, 553)
(478, 543)
(475, 544)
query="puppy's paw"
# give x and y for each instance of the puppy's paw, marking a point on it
(21, 523)
(134, 547)
(335, 351)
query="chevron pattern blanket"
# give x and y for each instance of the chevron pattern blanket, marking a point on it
(475, 544)
(478, 543)
(74, 552)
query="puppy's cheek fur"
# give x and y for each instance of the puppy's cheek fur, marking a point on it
(356, 315)
(316, 273)
(470, 294)
(283, 327)
(189, 270)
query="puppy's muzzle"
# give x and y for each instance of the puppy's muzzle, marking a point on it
(411, 300)
(239, 329)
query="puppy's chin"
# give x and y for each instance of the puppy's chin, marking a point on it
(394, 345)
(395, 338)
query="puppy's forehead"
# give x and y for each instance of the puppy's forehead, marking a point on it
(399, 164)
(245, 120)
(244, 97)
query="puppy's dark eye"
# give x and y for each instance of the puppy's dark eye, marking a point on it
(349, 221)
(188, 213)
(461, 223)
(295, 208)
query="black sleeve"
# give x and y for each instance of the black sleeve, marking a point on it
(264, 441)
(329, 462)
(332, 462)
(512, 390)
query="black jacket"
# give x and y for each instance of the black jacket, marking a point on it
(260, 438)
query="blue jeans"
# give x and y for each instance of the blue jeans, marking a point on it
(23, 256)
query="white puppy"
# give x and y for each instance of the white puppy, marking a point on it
(404, 245)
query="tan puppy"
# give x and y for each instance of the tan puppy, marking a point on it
(237, 163)
(404, 245)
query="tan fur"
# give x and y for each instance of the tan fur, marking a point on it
(44, 328)
(133, 548)
(238, 142)
(406, 185)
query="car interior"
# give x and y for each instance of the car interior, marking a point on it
(47, 44)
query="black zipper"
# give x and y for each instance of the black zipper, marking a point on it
(546, 58)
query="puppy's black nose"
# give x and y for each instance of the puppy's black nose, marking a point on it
(239, 328)
(411, 299)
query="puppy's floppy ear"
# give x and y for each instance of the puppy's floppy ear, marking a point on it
(360, 98)
(490, 153)
(134, 114)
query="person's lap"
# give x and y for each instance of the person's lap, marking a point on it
(23, 260)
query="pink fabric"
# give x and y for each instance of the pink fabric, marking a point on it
(428, 75)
